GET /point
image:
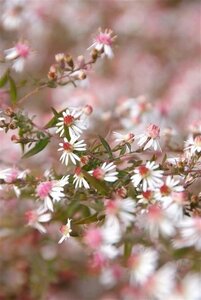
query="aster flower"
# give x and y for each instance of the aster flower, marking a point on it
(156, 222)
(69, 148)
(52, 191)
(124, 138)
(193, 145)
(186, 289)
(174, 205)
(111, 275)
(190, 233)
(148, 176)
(71, 119)
(35, 217)
(122, 210)
(147, 197)
(169, 186)
(105, 172)
(103, 42)
(142, 264)
(65, 231)
(18, 55)
(150, 139)
(79, 179)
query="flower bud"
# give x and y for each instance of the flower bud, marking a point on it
(87, 110)
(52, 74)
(69, 60)
(9, 112)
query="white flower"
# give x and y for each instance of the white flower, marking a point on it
(79, 179)
(167, 188)
(18, 55)
(35, 217)
(52, 191)
(174, 205)
(147, 197)
(121, 210)
(111, 275)
(71, 120)
(156, 222)
(124, 138)
(193, 145)
(103, 42)
(148, 176)
(150, 139)
(142, 264)
(161, 283)
(190, 233)
(68, 148)
(105, 172)
(187, 289)
(65, 230)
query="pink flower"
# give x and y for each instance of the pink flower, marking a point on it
(65, 231)
(103, 42)
(150, 139)
(35, 217)
(18, 55)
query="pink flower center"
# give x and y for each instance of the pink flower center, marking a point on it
(44, 188)
(30, 216)
(153, 131)
(104, 38)
(144, 171)
(68, 147)
(23, 50)
(93, 237)
(68, 120)
(65, 230)
(98, 173)
(111, 207)
(154, 212)
(165, 190)
(147, 195)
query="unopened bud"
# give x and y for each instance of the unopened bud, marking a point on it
(87, 110)
(94, 54)
(59, 57)
(121, 192)
(84, 160)
(82, 75)
(9, 112)
(52, 74)
(12, 125)
(14, 138)
(69, 60)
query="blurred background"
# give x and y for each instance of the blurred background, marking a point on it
(157, 54)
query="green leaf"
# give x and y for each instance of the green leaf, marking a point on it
(88, 220)
(13, 90)
(53, 121)
(106, 146)
(127, 249)
(123, 150)
(39, 146)
(4, 79)
(98, 185)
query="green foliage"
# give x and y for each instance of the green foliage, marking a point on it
(39, 146)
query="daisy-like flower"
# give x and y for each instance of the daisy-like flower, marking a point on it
(124, 138)
(186, 289)
(65, 231)
(160, 285)
(174, 205)
(103, 42)
(18, 55)
(142, 264)
(193, 145)
(156, 222)
(148, 176)
(190, 232)
(150, 139)
(121, 210)
(105, 172)
(69, 148)
(79, 179)
(35, 217)
(52, 191)
(147, 197)
(71, 119)
(169, 186)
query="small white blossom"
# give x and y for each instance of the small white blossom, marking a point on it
(52, 191)
(105, 172)
(71, 119)
(69, 148)
(193, 145)
(79, 180)
(18, 55)
(148, 176)
(65, 231)
(150, 139)
(35, 217)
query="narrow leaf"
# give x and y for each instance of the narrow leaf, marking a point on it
(106, 146)
(13, 90)
(4, 79)
(39, 146)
